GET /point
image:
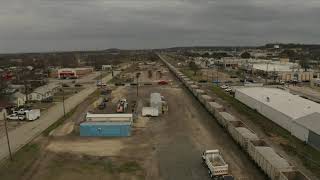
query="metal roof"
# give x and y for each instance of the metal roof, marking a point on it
(107, 123)
(46, 88)
(311, 122)
(291, 105)
(89, 115)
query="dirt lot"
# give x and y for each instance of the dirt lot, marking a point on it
(165, 147)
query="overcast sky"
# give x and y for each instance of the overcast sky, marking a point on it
(52, 25)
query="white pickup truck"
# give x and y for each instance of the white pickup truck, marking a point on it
(217, 167)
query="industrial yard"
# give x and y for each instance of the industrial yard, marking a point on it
(156, 146)
(160, 90)
(149, 120)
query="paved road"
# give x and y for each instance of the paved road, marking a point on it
(24, 134)
(306, 92)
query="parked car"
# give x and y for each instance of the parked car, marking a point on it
(65, 85)
(102, 105)
(163, 82)
(78, 85)
(101, 84)
(224, 86)
(16, 117)
(21, 111)
(228, 89)
(47, 100)
(202, 81)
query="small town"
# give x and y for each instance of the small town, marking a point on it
(132, 96)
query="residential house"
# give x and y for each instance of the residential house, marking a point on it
(44, 92)
(18, 99)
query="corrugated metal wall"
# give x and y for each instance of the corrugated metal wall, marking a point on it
(299, 131)
(314, 139)
(93, 130)
(274, 115)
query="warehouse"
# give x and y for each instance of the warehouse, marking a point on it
(307, 129)
(289, 111)
(106, 125)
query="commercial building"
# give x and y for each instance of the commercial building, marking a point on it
(307, 129)
(70, 73)
(106, 67)
(106, 125)
(289, 111)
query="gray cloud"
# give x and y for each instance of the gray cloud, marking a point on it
(47, 25)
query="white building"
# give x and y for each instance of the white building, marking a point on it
(283, 108)
(18, 99)
(307, 129)
(106, 67)
(44, 92)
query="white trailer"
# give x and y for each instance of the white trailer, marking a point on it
(150, 111)
(33, 114)
(217, 167)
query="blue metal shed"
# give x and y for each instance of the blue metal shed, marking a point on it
(105, 129)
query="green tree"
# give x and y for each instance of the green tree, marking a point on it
(194, 67)
(245, 55)
(305, 64)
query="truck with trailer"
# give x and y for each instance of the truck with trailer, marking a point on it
(217, 167)
(32, 114)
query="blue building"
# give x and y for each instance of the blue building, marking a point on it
(105, 129)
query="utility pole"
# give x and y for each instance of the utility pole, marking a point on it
(137, 76)
(7, 135)
(217, 73)
(211, 76)
(64, 109)
(267, 73)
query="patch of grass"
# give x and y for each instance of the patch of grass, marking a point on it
(309, 156)
(103, 75)
(131, 166)
(22, 161)
(56, 124)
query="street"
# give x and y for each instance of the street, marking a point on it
(28, 131)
